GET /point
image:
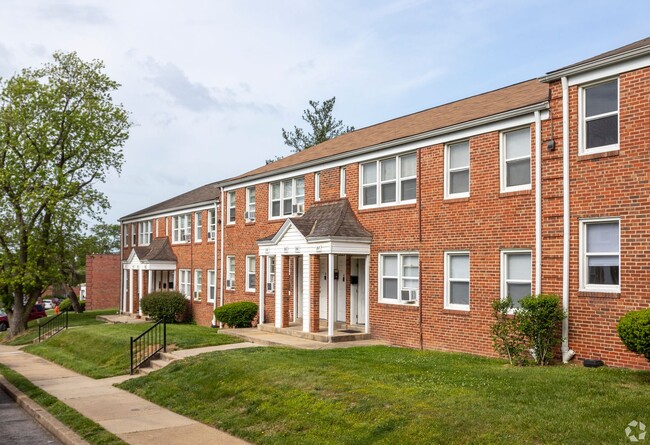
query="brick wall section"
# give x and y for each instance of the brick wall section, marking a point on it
(102, 281)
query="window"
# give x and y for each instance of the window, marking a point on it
(515, 160)
(184, 284)
(516, 275)
(230, 272)
(212, 286)
(125, 236)
(198, 283)
(250, 273)
(599, 117)
(212, 225)
(317, 186)
(457, 280)
(600, 256)
(250, 204)
(198, 226)
(231, 207)
(388, 181)
(287, 197)
(134, 235)
(270, 274)
(399, 279)
(181, 228)
(457, 170)
(144, 232)
(343, 183)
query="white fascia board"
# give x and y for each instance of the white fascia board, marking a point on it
(205, 205)
(624, 60)
(497, 122)
(609, 71)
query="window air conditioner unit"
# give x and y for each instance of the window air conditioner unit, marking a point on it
(197, 295)
(409, 296)
(249, 216)
(211, 235)
(298, 209)
(230, 284)
(270, 287)
(188, 235)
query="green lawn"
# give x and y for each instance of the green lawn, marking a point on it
(84, 427)
(101, 351)
(389, 395)
(84, 319)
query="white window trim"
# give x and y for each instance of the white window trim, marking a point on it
(231, 205)
(185, 287)
(250, 212)
(248, 272)
(504, 273)
(317, 186)
(197, 292)
(342, 182)
(134, 234)
(186, 229)
(582, 130)
(398, 182)
(380, 276)
(198, 226)
(293, 198)
(448, 171)
(145, 232)
(212, 285)
(502, 161)
(583, 274)
(448, 280)
(230, 272)
(212, 223)
(270, 276)
(125, 235)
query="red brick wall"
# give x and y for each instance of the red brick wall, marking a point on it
(102, 281)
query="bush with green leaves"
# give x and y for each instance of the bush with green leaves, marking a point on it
(236, 315)
(508, 340)
(634, 331)
(540, 321)
(168, 305)
(66, 305)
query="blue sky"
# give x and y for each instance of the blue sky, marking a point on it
(210, 84)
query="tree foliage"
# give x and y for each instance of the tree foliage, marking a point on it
(60, 134)
(323, 126)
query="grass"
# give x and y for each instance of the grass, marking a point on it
(84, 319)
(101, 351)
(84, 427)
(389, 396)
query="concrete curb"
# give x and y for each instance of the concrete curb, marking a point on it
(47, 420)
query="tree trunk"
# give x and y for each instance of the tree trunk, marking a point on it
(74, 300)
(18, 316)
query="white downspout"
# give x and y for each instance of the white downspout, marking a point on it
(567, 353)
(538, 203)
(216, 252)
(221, 287)
(122, 284)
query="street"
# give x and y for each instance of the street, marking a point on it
(18, 428)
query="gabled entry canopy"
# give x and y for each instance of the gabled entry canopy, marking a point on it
(156, 256)
(327, 227)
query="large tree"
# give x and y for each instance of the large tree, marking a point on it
(61, 133)
(323, 126)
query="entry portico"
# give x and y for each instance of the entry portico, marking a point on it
(309, 260)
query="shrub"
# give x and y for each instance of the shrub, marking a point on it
(508, 340)
(236, 315)
(634, 330)
(167, 305)
(66, 305)
(540, 321)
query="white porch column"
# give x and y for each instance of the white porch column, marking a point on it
(306, 297)
(330, 295)
(124, 291)
(140, 285)
(131, 291)
(262, 270)
(366, 285)
(150, 282)
(278, 290)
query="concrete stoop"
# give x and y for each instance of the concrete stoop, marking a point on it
(157, 362)
(341, 333)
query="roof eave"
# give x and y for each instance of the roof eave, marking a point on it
(345, 239)
(389, 144)
(594, 64)
(170, 210)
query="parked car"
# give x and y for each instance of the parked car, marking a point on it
(38, 311)
(48, 304)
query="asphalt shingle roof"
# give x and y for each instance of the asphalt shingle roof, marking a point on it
(158, 250)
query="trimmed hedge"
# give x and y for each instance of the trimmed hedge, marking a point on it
(66, 305)
(167, 305)
(634, 331)
(236, 315)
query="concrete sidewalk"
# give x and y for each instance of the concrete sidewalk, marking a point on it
(132, 419)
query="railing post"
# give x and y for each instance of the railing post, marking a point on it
(164, 334)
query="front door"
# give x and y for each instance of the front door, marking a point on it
(297, 313)
(322, 304)
(358, 291)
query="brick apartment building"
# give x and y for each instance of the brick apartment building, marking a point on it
(415, 225)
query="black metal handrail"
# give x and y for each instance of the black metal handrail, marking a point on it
(148, 344)
(52, 326)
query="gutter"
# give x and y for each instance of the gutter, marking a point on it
(141, 216)
(222, 283)
(538, 203)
